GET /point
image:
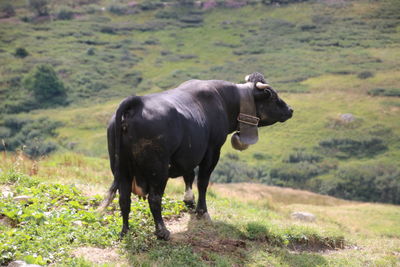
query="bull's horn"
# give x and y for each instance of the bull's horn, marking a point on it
(261, 85)
(247, 78)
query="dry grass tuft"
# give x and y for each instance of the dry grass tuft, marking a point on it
(258, 192)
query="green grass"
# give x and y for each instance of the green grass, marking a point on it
(251, 225)
(45, 228)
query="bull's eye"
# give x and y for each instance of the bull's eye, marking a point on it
(268, 93)
(280, 103)
(274, 97)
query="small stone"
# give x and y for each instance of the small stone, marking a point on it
(7, 194)
(4, 220)
(16, 264)
(303, 216)
(77, 223)
(21, 264)
(347, 117)
(22, 198)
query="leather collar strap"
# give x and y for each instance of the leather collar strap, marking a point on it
(247, 119)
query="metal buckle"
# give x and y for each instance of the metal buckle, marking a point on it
(248, 119)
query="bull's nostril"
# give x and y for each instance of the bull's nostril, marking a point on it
(291, 110)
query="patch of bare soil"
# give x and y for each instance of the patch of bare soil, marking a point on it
(203, 237)
(100, 255)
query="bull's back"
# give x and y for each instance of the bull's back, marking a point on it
(182, 123)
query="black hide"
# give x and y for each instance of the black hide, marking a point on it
(168, 134)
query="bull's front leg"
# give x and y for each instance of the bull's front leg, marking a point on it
(188, 198)
(155, 198)
(205, 169)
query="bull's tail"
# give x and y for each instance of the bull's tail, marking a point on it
(112, 191)
(127, 103)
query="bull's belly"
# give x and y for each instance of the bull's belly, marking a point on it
(185, 162)
(177, 171)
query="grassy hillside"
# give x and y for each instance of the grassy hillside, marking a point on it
(252, 224)
(336, 63)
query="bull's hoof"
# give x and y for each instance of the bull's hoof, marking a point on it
(162, 234)
(188, 199)
(123, 233)
(204, 216)
(190, 204)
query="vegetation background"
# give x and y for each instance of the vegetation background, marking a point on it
(66, 64)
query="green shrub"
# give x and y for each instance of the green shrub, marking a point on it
(187, 3)
(260, 156)
(164, 14)
(281, 2)
(150, 5)
(107, 29)
(21, 52)
(191, 19)
(365, 75)
(347, 147)
(28, 135)
(39, 6)
(4, 132)
(26, 19)
(322, 19)
(384, 92)
(47, 88)
(296, 174)
(117, 9)
(65, 13)
(90, 51)
(7, 9)
(230, 169)
(133, 78)
(92, 9)
(368, 182)
(302, 156)
(14, 81)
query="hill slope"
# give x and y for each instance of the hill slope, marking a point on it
(337, 64)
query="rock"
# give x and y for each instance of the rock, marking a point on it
(22, 198)
(4, 220)
(21, 264)
(77, 223)
(7, 194)
(303, 216)
(347, 117)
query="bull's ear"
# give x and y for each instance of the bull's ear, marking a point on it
(262, 94)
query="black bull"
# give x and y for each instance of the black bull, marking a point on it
(169, 134)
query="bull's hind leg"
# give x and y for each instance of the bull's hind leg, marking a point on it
(188, 198)
(205, 169)
(156, 192)
(156, 174)
(125, 189)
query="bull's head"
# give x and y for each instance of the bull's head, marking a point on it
(269, 109)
